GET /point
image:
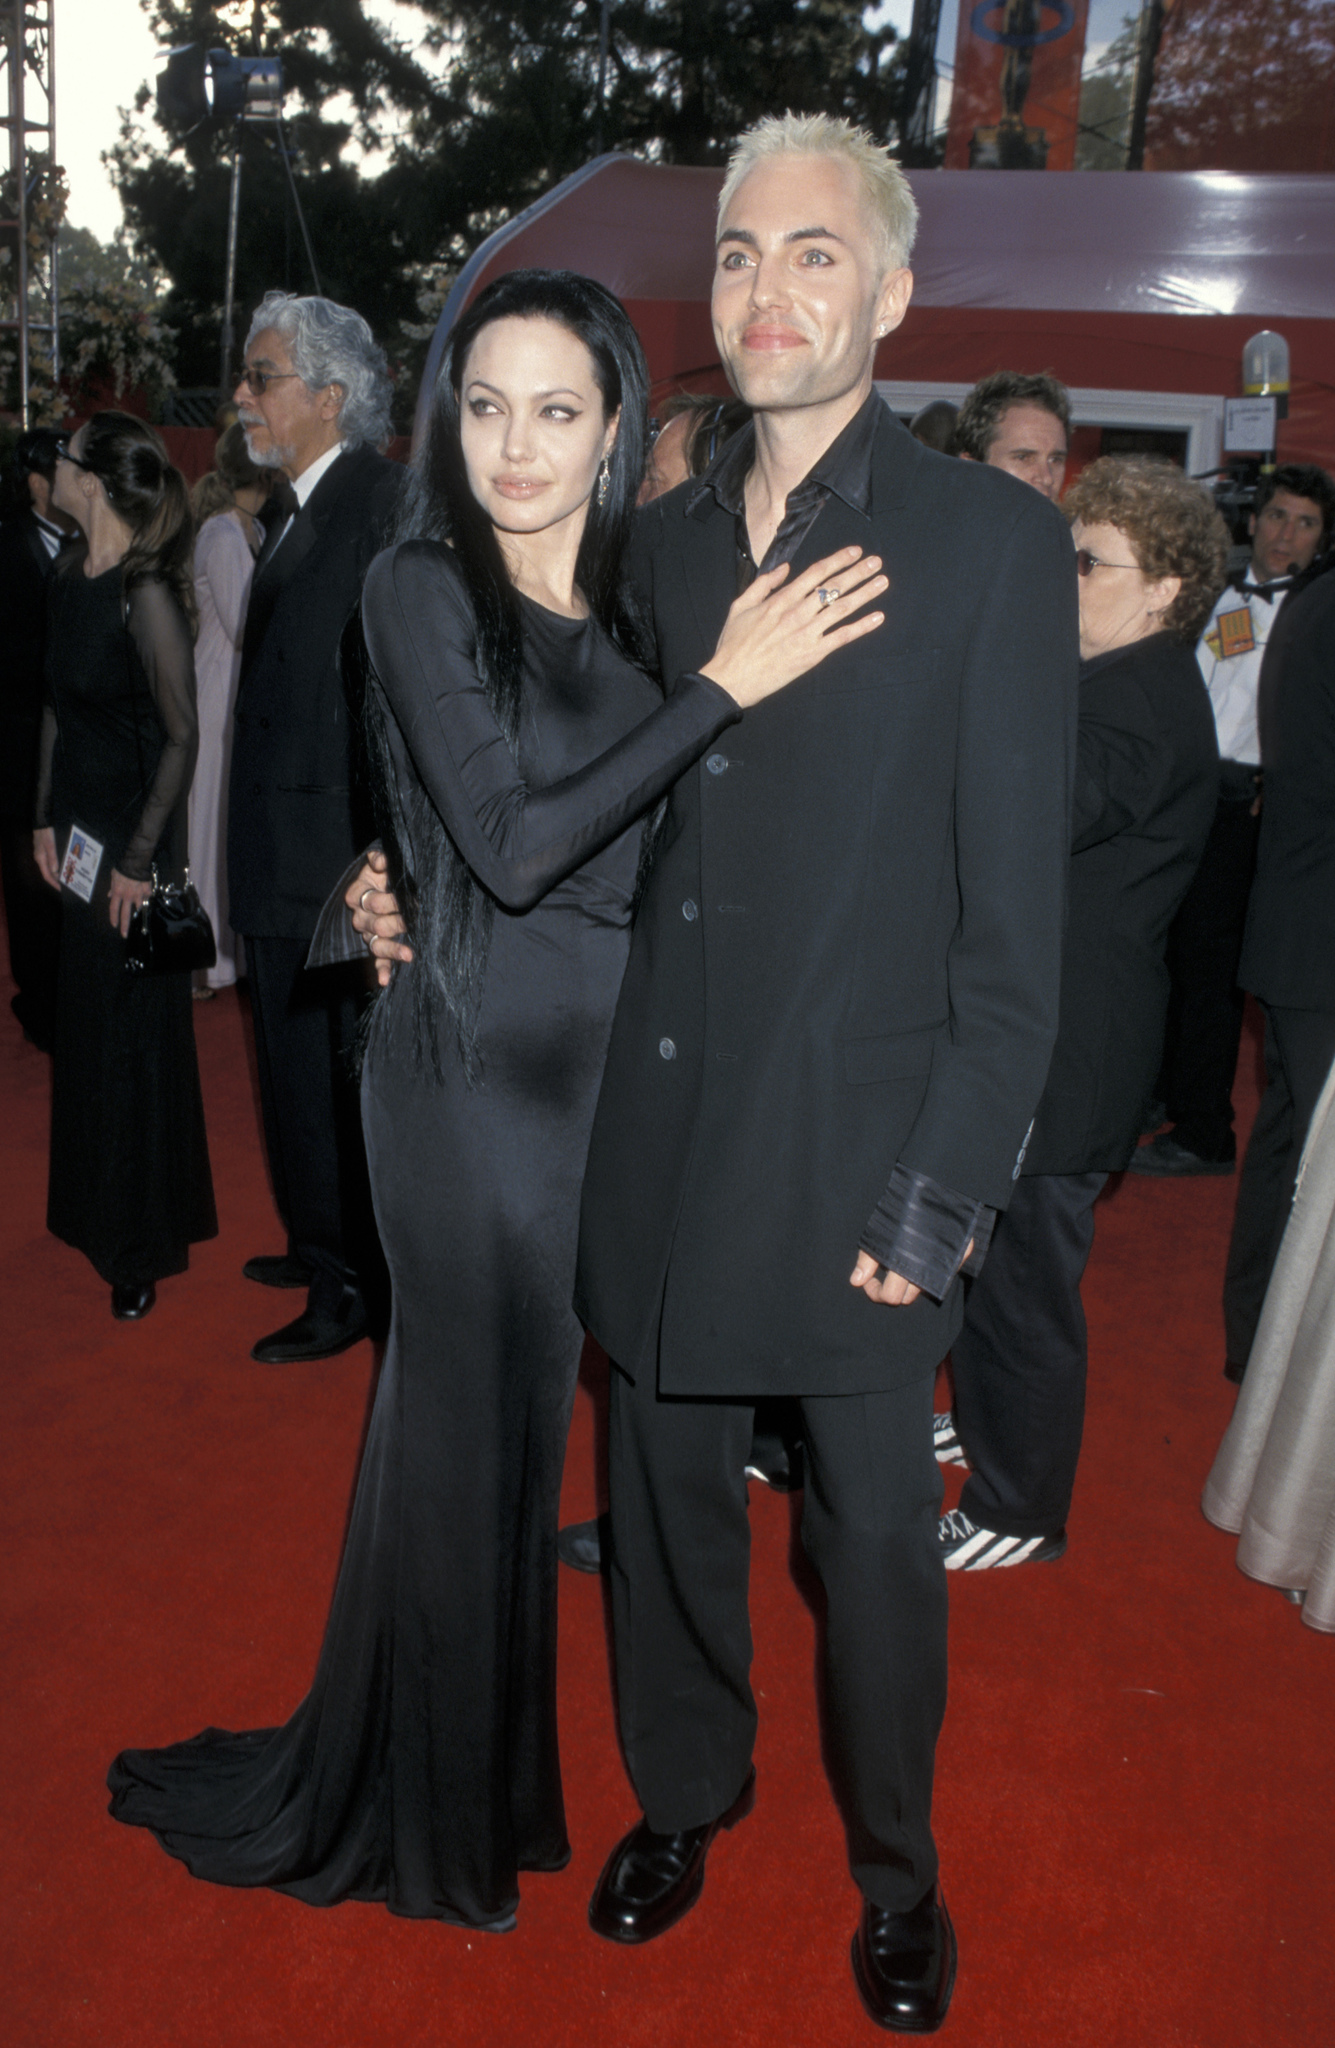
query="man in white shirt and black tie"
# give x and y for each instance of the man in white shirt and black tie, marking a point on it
(1290, 533)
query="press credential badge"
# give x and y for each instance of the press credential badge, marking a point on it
(83, 858)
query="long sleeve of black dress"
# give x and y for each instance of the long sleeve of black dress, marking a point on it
(161, 638)
(518, 840)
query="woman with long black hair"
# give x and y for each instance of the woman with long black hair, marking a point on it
(130, 1184)
(518, 748)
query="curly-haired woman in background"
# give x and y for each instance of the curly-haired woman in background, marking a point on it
(1150, 556)
(130, 1184)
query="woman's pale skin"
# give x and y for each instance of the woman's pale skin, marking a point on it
(81, 495)
(534, 435)
(1119, 603)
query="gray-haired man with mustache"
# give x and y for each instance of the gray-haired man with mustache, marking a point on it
(314, 401)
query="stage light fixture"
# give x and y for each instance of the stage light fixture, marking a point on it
(198, 85)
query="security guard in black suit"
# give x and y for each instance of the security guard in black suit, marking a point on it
(314, 400)
(1288, 953)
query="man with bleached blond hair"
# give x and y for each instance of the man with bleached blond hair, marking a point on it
(832, 1036)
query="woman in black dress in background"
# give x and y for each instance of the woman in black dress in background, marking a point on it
(518, 748)
(130, 1184)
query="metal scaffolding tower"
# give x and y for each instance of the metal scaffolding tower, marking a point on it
(29, 282)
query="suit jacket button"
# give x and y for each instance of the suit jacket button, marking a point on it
(716, 763)
(667, 1048)
(689, 911)
(264, 725)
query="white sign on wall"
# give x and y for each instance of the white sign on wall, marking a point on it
(1249, 424)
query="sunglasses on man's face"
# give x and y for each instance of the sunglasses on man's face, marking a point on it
(258, 381)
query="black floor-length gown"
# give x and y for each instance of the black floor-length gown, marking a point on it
(130, 1185)
(422, 1768)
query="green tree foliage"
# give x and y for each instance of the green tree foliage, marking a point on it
(466, 114)
(1244, 88)
(1105, 103)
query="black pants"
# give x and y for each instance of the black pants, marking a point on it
(1205, 1004)
(1299, 1051)
(680, 1565)
(1019, 1362)
(305, 1040)
(32, 914)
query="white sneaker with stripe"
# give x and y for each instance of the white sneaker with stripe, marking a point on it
(968, 1548)
(945, 1441)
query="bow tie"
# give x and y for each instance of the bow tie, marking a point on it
(1267, 590)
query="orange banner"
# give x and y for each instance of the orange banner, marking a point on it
(1016, 95)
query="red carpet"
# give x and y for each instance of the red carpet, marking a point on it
(1135, 1784)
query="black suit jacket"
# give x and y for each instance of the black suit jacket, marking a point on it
(1146, 787)
(848, 952)
(1288, 955)
(25, 572)
(297, 812)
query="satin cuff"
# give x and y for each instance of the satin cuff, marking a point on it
(921, 1230)
(335, 941)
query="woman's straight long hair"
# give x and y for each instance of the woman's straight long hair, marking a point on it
(449, 914)
(149, 493)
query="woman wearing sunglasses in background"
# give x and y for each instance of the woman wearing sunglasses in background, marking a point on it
(130, 1184)
(1150, 557)
(518, 746)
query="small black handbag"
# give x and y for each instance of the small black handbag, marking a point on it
(170, 932)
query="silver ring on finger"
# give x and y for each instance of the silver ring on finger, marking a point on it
(361, 900)
(824, 597)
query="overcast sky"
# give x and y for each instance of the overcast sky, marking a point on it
(105, 50)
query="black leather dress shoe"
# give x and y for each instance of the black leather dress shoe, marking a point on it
(316, 1334)
(904, 1964)
(132, 1304)
(649, 1881)
(278, 1269)
(1166, 1157)
(585, 1546)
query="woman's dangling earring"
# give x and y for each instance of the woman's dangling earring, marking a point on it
(604, 481)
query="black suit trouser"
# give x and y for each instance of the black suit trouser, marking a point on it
(682, 1633)
(1205, 1004)
(1019, 1363)
(305, 1044)
(1299, 1052)
(32, 916)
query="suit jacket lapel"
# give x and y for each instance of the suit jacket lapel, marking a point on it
(280, 559)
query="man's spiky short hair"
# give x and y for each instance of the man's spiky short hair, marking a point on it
(985, 408)
(892, 204)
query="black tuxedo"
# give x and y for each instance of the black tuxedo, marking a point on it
(32, 910)
(1288, 954)
(297, 814)
(845, 965)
